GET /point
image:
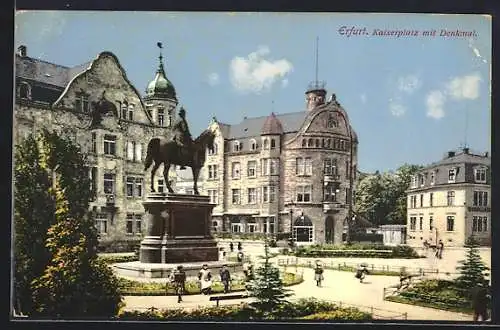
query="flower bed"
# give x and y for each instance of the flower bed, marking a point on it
(439, 294)
(113, 259)
(357, 250)
(309, 309)
(135, 288)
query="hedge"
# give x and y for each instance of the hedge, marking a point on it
(315, 309)
(117, 259)
(136, 288)
(357, 250)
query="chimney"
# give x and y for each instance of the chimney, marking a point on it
(451, 154)
(466, 150)
(22, 51)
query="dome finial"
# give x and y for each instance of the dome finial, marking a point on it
(160, 45)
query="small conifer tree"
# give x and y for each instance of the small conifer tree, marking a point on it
(472, 270)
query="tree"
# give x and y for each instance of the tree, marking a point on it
(75, 283)
(44, 165)
(381, 197)
(33, 215)
(472, 269)
(267, 287)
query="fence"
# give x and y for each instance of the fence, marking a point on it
(296, 262)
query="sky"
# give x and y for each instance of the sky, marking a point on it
(410, 97)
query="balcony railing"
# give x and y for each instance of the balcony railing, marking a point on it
(332, 178)
(330, 206)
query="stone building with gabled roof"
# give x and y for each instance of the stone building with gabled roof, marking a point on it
(285, 173)
(64, 99)
(450, 200)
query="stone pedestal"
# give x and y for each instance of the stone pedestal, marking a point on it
(177, 229)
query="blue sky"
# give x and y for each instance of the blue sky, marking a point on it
(407, 97)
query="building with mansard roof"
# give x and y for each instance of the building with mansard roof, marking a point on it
(63, 98)
(285, 173)
(450, 200)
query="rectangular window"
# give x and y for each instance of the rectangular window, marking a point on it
(236, 196)
(421, 223)
(109, 144)
(131, 112)
(134, 223)
(485, 223)
(299, 167)
(252, 195)
(161, 117)
(451, 198)
(101, 223)
(138, 187)
(422, 180)
(94, 142)
(138, 223)
(130, 224)
(450, 223)
(93, 180)
(161, 185)
(130, 187)
(82, 103)
(213, 194)
(414, 181)
(308, 165)
(272, 194)
(130, 150)
(275, 166)
(138, 152)
(480, 198)
(212, 172)
(304, 194)
(252, 169)
(252, 227)
(431, 199)
(331, 193)
(236, 228)
(235, 170)
(421, 200)
(265, 166)
(431, 222)
(134, 186)
(451, 175)
(330, 166)
(433, 178)
(413, 223)
(480, 175)
(268, 194)
(109, 183)
(124, 110)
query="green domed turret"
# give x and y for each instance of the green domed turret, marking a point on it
(161, 87)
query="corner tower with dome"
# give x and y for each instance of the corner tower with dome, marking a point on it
(288, 172)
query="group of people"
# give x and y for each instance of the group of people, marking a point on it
(239, 255)
(360, 273)
(438, 249)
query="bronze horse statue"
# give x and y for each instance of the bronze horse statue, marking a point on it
(166, 151)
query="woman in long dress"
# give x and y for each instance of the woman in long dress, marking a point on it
(205, 278)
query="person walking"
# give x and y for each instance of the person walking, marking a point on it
(179, 282)
(479, 295)
(231, 247)
(318, 274)
(240, 256)
(225, 278)
(239, 246)
(205, 278)
(439, 249)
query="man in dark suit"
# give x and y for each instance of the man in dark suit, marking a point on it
(480, 299)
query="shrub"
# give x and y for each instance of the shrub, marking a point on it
(117, 259)
(341, 314)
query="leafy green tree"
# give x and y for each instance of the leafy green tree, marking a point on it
(267, 288)
(33, 215)
(75, 283)
(472, 270)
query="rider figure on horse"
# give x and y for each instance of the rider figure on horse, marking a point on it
(182, 136)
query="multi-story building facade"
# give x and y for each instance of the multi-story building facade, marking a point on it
(96, 105)
(450, 201)
(290, 173)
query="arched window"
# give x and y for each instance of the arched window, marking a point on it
(328, 143)
(304, 142)
(253, 145)
(266, 144)
(273, 143)
(310, 142)
(213, 151)
(342, 144)
(124, 109)
(24, 91)
(317, 143)
(303, 229)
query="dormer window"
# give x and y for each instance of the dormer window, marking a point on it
(304, 143)
(131, 112)
(213, 151)
(452, 174)
(414, 181)
(124, 109)
(253, 145)
(332, 122)
(266, 144)
(310, 143)
(422, 180)
(237, 146)
(161, 117)
(273, 144)
(480, 175)
(82, 103)
(433, 178)
(24, 91)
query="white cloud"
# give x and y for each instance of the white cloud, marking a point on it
(363, 98)
(213, 79)
(465, 87)
(284, 83)
(435, 104)
(397, 109)
(409, 84)
(255, 74)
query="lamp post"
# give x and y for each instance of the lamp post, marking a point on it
(349, 195)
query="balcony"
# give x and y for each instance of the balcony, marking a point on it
(329, 206)
(331, 178)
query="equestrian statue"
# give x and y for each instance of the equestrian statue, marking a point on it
(180, 150)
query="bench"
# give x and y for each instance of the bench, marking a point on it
(228, 297)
